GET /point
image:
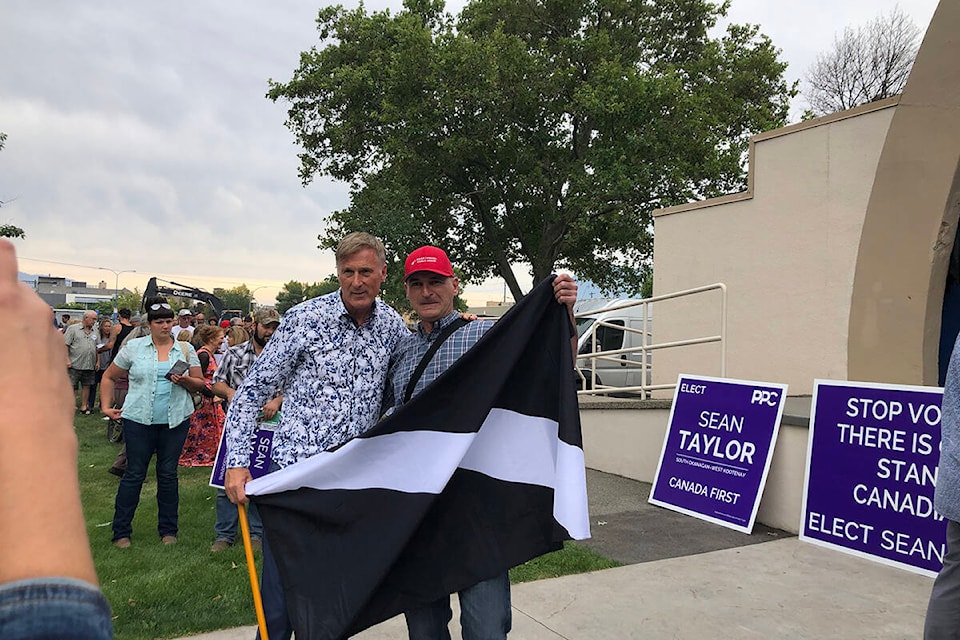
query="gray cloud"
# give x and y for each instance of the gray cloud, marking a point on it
(140, 137)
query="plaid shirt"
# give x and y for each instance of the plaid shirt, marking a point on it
(235, 364)
(409, 351)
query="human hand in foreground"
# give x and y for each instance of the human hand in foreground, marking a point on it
(42, 529)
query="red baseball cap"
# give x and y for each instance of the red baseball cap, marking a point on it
(427, 258)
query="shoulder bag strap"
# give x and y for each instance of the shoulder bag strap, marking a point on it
(428, 356)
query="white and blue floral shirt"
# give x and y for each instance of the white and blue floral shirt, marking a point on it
(332, 372)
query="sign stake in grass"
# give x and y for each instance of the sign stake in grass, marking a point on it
(252, 569)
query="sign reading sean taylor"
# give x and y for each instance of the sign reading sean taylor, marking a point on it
(871, 470)
(718, 448)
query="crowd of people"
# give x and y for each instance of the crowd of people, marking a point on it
(173, 416)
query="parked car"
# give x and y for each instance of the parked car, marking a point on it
(604, 324)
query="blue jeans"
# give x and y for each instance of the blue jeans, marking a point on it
(65, 608)
(92, 402)
(484, 613)
(278, 622)
(144, 440)
(228, 520)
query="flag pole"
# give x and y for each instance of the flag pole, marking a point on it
(252, 570)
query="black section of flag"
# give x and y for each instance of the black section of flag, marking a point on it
(352, 558)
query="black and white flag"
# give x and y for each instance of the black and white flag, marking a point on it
(480, 472)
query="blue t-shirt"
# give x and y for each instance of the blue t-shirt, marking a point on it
(161, 399)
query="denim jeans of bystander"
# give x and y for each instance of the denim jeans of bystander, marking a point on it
(143, 441)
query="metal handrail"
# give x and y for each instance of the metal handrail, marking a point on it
(616, 355)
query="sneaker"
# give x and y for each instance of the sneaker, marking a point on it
(169, 539)
(256, 544)
(122, 543)
(220, 545)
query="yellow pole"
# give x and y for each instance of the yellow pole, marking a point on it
(252, 570)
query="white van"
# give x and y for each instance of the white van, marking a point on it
(611, 324)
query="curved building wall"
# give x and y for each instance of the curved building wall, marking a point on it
(911, 220)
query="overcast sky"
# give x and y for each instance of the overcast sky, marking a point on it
(140, 138)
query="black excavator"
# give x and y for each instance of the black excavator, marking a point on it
(181, 291)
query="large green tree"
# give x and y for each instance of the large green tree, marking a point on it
(127, 299)
(536, 131)
(238, 297)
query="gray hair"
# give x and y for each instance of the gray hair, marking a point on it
(357, 241)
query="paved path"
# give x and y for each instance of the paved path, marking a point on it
(690, 579)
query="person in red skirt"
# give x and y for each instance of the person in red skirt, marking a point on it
(206, 423)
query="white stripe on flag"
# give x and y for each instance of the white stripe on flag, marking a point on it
(572, 510)
(411, 462)
(515, 447)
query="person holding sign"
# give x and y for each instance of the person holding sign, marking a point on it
(330, 357)
(943, 611)
(227, 379)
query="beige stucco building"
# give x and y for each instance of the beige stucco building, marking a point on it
(834, 261)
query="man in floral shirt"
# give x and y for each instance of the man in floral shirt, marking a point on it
(330, 357)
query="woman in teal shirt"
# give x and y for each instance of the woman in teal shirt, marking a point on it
(156, 417)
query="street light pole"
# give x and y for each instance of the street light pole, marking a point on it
(250, 306)
(116, 285)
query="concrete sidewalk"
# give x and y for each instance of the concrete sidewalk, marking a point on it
(686, 578)
(781, 589)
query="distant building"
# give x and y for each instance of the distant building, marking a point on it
(492, 309)
(58, 291)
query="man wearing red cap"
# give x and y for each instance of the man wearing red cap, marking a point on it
(431, 287)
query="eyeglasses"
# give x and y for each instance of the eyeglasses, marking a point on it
(158, 306)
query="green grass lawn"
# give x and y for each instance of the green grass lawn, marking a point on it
(159, 591)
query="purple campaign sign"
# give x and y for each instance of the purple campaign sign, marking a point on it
(259, 457)
(718, 448)
(872, 462)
